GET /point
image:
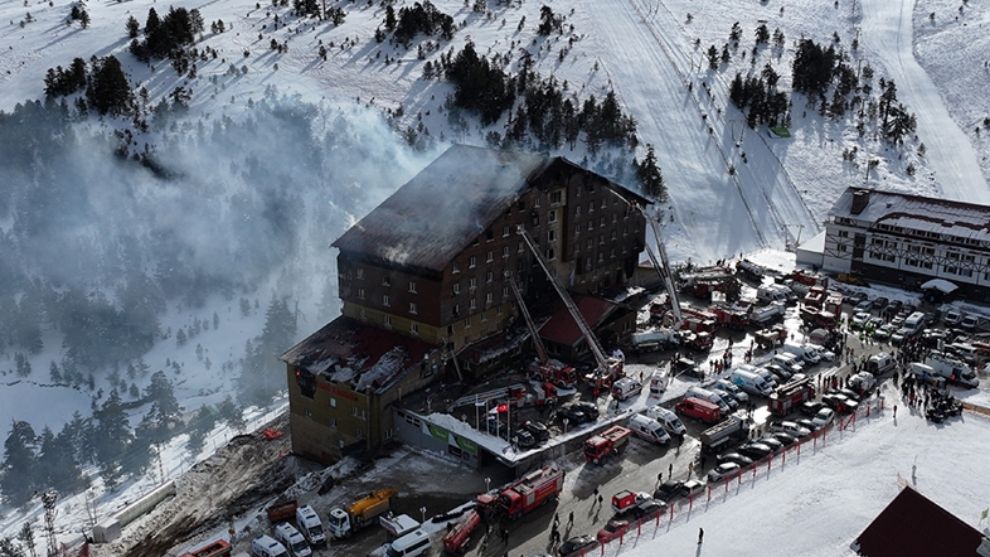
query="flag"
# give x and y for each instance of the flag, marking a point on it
(502, 408)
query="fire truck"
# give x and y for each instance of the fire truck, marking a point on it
(790, 395)
(455, 541)
(732, 317)
(525, 494)
(610, 442)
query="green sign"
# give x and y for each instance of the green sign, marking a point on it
(467, 445)
(439, 432)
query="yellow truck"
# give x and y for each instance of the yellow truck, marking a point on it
(346, 520)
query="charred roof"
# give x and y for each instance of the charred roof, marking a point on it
(438, 213)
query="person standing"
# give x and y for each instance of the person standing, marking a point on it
(701, 535)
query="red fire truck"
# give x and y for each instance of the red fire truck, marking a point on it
(455, 541)
(612, 441)
(525, 494)
(789, 395)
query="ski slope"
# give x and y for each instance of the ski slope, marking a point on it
(888, 33)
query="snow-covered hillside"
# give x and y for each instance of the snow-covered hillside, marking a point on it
(954, 49)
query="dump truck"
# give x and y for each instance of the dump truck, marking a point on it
(790, 395)
(719, 436)
(344, 521)
(282, 511)
(610, 442)
(525, 494)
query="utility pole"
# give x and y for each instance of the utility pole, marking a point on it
(48, 500)
(161, 468)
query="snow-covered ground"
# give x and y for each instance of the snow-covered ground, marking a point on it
(954, 48)
(817, 505)
(888, 33)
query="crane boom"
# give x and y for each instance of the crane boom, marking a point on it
(541, 350)
(589, 335)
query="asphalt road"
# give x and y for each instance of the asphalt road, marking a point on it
(636, 470)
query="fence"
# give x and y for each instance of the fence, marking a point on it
(760, 469)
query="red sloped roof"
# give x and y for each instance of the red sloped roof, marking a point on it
(914, 526)
(561, 328)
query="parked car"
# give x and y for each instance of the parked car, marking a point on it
(865, 305)
(722, 471)
(824, 417)
(613, 530)
(810, 408)
(668, 491)
(579, 412)
(884, 333)
(952, 318)
(731, 387)
(755, 451)
(790, 427)
(524, 439)
(969, 322)
(806, 423)
(771, 442)
(692, 487)
(538, 430)
(577, 545)
(894, 307)
(739, 459)
(644, 509)
(859, 320)
(880, 303)
(840, 403)
(786, 438)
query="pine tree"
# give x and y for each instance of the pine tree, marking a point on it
(113, 439)
(133, 27)
(201, 424)
(18, 479)
(151, 24)
(108, 91)
(231, 414)
(84, 18)
(650, 177)
(26, 537)
(390, 18)
(54, 375)
(59, 468)
(165, 408)
(712, 58)
(9, 549)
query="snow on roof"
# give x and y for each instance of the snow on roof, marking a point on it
(912, 525)
(448, 204)
(815, 245)
(915, 212)
(347, 351)
(941, 285)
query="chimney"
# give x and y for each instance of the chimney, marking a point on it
(861, 198)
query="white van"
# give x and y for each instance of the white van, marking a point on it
(915, 322)
(880, 363)
(266, 546)
(293, 541)
(668, 419)
(750, 382)
(411, 545)
(309, 523)
(790, 362)
(658, 382)
(774, 293)
(802, 352)
(705, 394)
(649, 429)
(626, 388)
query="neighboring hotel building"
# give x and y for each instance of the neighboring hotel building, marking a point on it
(426, 275)
(907, 240)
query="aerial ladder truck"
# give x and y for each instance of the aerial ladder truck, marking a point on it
(549, 370)
(609, 369)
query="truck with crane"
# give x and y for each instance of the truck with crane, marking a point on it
(524, 495)
(548, 370)
(345, 521)
(790, 395)
(608, 369)
(722, 434)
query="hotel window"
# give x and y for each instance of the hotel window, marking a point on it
(520, 248)
(489, 298)
(551, 254)
(412, 308)
(490, 276)
(472, 283)
(577, 211)
(472, 262)
(455, 268)
(505, 231)
(412, 286)
(505, 252)
(591, 226)
(457, 310)
(414, 328)
(601, 221)
(386, 281)
(552, 235)
(360, 293)
(385, 300)
(388, 321)
(360, 273)
(456, 287)
(490, 258)
(467, 322)
(505, 291)
(552, 216)
(474, 305)
(556, 196)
